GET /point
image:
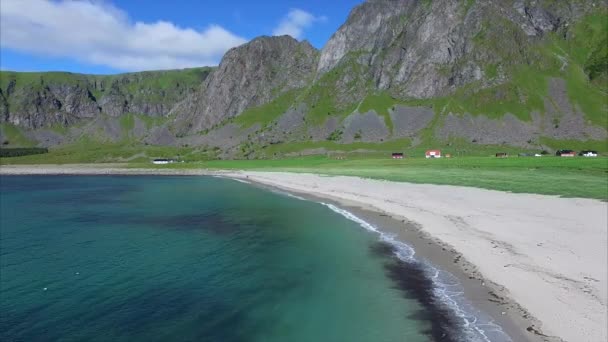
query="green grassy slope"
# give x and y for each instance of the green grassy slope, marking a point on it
(91, 151)
(268, 112)
(161, 79)
(380, 103)
(160, 86)
(13, 135)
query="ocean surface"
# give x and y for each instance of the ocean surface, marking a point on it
(143, 258)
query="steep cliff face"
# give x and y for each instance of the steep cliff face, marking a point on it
(3, 107)
(424, 49)
(37, 100)
(249, 75)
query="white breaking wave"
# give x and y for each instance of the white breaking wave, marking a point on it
(476, 325)
(234, 179)
(403, 251)
(284, 193)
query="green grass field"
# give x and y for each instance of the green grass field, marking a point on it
(89, 151)
(567, 177)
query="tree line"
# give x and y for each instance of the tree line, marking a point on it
(21, 151)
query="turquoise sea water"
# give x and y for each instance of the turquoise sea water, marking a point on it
(198, 259)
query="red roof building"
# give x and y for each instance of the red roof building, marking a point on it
(433, 154)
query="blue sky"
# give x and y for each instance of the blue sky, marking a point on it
(93, 36)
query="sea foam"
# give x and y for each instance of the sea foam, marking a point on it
(232, 178)
(476, 326)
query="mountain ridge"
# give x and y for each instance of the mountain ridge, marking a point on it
(529, 74)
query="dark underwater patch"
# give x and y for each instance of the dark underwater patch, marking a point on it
(94, 196)
(214, 223)
(383, 249)
(134, 315)
(412, 280)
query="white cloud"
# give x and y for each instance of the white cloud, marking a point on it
(295, 22)
(96, 32)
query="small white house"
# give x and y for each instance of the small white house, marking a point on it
(589, 154)
(161, 161)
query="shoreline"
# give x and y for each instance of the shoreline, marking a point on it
(477, 291)
(533, 263)
(547, 293)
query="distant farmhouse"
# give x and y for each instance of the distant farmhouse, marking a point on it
(588, 154)
(565, 153)
(529, 155)
(433, 154)
(161, 161)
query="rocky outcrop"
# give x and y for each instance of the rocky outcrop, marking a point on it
(408, 121)
(324, 131)
(248, 76)
(365, 127)
(38, 100)
(424, 49)
(486, 131)
(3, 107)
(35, 107)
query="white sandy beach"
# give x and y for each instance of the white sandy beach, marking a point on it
(549, 254)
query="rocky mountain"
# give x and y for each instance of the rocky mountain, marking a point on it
(410, 73)
(39, 100)
(424, 49)
(249, 76)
